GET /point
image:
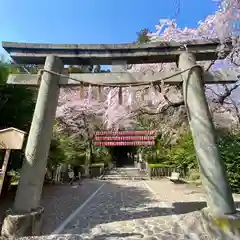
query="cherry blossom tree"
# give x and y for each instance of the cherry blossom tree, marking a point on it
(82, 116)
(222, 25)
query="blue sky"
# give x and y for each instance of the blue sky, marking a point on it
(91, 21)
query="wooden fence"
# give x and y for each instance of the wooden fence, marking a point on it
(159, 171)
(164, 172)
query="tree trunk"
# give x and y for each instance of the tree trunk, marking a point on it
(6, 185)
(88, 161)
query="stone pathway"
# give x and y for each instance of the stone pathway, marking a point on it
(59, 201)
(126, 210)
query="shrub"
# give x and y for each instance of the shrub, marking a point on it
(101, 155)
(65, 149)
(182, 154)
(194, 175)
(229, 145)
(159, 165)
(155, 154)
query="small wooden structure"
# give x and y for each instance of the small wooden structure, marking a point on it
(10, 139)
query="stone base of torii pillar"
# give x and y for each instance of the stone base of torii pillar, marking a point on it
(26, 224)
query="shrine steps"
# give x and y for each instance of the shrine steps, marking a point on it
(125, 173)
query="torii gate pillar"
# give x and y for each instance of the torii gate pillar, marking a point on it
(212, 168)
(27, 213)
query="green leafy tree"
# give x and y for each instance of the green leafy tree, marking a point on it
(142, 36)
(183, 155)
(16, 110)
(16, 107)
(16, 102)
(229, 144)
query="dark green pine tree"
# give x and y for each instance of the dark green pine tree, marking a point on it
(142, 36)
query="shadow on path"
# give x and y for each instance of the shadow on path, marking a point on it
(59, 201)
(122, 205)
(187, 207)
(127, 210)
(120, 201)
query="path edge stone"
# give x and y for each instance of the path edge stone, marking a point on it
(19, 225)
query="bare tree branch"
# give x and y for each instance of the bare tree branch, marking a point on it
(236, 108)
(221, 97)
(227, 93)
(164, 108)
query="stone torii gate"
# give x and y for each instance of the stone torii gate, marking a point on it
(55, 56)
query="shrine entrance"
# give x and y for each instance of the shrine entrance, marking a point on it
(123, 155)
(123, 144)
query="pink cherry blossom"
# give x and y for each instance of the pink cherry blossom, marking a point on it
(224, 25)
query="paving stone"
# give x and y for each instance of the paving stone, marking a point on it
(125, 209)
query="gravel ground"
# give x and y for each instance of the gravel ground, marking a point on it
(182, 195)
(124, 209)
(59, 202)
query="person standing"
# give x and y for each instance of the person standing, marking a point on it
(70, 175)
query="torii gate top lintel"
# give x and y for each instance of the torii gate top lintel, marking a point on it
(105, 54)
(117, 55)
